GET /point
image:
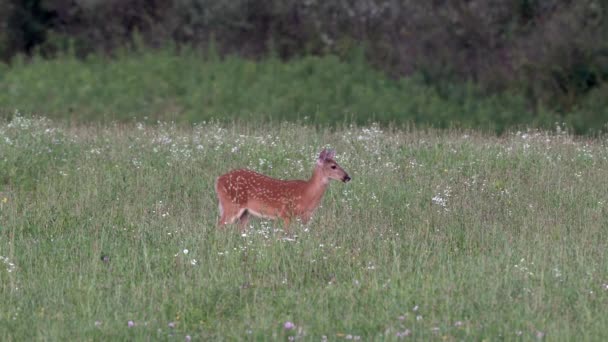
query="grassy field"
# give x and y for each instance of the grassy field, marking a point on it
(191, 87)
(108, 232)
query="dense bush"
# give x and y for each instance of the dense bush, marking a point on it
(553, 51)
(189, 86)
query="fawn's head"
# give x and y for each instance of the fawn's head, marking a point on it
(329, 167)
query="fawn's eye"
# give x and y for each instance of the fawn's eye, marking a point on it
(333, 166)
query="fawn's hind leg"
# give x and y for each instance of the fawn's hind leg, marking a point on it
(244, 219)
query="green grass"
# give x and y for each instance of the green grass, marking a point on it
(440, 235)
(190, 87)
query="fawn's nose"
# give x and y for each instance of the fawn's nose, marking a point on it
(345, 178)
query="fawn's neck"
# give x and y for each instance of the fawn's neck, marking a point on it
(317, 184)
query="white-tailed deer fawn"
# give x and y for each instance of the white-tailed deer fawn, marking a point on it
(242, 193)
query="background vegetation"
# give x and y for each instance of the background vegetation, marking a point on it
(190, 87)
(108, 232)
(545, 56)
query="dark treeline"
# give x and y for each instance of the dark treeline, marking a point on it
(553, 51)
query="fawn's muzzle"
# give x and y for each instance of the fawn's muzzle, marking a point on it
(345, 178)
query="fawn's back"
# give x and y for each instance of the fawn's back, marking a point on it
(243, 186)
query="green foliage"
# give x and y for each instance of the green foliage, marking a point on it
(440, 235)
(555, 51)
(190, 87)
(591, 115)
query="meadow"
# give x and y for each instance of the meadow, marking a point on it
(189, 86)
(108, 231)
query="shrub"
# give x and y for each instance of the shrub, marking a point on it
(553, 51)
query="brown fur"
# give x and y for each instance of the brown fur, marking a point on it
(244, 192)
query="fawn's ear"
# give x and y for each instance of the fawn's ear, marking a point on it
(326, 155)
(322, 155)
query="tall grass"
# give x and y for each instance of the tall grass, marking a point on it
(187, 86)
(108, 232)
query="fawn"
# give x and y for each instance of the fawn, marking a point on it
(242, 193)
